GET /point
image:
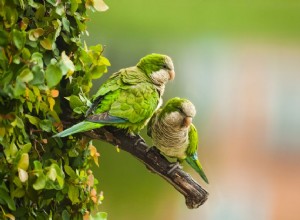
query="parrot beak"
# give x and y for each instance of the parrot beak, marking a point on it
(187, 121)
(171, 74)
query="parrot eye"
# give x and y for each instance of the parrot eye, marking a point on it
(180, 110)
(165, 66)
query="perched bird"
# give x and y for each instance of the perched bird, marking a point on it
(173, 133)
(129, 97)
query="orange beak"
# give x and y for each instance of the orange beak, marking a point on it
(171, 74)
(187, 121)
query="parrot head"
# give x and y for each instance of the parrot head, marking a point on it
(179, 112)
(158, 67)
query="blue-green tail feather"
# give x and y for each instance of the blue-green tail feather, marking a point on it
(80, 127)
(195, 164)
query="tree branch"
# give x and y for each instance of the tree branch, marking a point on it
(194, 194)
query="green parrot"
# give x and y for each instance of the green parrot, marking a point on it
(129, 97)
(173, 133)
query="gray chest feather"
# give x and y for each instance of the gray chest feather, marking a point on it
(170, 137)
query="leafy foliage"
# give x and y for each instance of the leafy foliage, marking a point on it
(43, 60)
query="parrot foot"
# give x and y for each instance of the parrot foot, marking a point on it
(174, 166)
(138, 141)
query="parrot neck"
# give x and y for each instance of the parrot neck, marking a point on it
(160, 77)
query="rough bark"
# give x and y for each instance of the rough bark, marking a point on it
(194, 194)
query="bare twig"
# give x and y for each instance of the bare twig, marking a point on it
(194, 194)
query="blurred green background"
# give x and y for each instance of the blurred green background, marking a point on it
(239, 63)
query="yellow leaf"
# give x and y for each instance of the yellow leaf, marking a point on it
(46, 43)
(93, 192)
(68, 65)
(2, 131)
(51, 174)
(100, 5)
(10, 216)
(90, 180)
(54, 93)
(23, 175)
(101, 196)
(86, 215)
(26, 93)
(24, 161)
(51, 103)
(45, 141)
(94, 154)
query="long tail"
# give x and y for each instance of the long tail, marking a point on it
(80, 127)
(195, 164)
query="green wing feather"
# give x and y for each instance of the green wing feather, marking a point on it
(80, 127)
(192, 157)
(127, 99)
(129, 95)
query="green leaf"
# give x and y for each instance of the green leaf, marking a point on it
(74, 6)
(37, 59)
(66, 65)
(29, 106)
(19, 88)
(26, 54)
(52, 2)
(97, 50)
(26, 75)
(19, 38)
(10, 152)
(33, 120)
(70, 171)
(60, 175)
(65, 215)
(53, 75)
(40, 12)
(104, 61)
(73, 194)
(60, 9)
(73, 153)
(18, 123)
(3, 38)
(75, 101)
(99, 216)
(37, 166)
(57, 26)
(26, 147)
(98, 71)
(11, 16)
(80, 110)
(39, 76)
(81, 25)
(66, 24)
(18, 193)
(40, 182)
(6, 199)
(46, 125)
